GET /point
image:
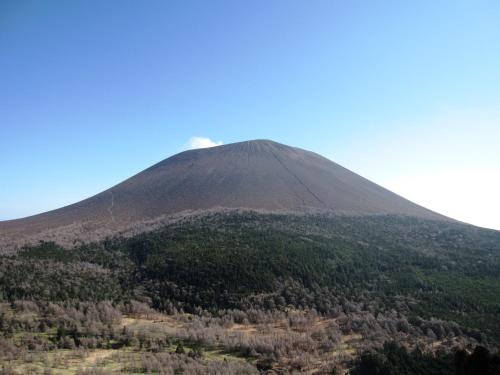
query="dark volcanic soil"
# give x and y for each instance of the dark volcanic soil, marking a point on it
(256, 174)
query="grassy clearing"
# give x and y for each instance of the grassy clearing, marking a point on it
(208, 341)
(66, 361)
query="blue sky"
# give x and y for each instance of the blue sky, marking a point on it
(404, 93)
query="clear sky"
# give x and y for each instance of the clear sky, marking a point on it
(405, 93)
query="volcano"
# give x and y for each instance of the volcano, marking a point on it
(259, 174)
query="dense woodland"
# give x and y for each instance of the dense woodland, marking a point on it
(404, 286)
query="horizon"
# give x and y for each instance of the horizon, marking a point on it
(405, 95)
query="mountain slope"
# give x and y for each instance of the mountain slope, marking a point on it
(256, 174)
(291, 285)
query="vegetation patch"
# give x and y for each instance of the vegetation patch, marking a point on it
(250, 292)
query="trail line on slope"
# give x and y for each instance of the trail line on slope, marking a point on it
(299, 180)
(110, 208)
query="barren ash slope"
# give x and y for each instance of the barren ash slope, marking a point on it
(259, 174)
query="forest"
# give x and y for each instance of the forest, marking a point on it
(248, 292)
